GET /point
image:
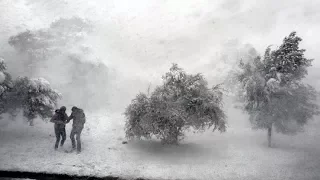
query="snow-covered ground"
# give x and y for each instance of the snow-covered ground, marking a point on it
(239, 153)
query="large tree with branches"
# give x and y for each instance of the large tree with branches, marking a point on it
(273, 92)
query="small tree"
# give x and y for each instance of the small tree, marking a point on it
(273, 92)
(181, 103)
(34, 96)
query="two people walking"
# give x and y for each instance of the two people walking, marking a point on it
(60, 119)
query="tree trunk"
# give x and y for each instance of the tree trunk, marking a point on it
(269, 135)
(31, 122)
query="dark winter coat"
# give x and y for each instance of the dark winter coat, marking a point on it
(59, 119)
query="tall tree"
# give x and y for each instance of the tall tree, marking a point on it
(62, 50)
(273, 92)
(64, 38)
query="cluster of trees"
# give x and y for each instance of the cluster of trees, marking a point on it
(271, 87)
(61, 54)
(33, 96)
(35, 47)
(271, 90)
(58, 49)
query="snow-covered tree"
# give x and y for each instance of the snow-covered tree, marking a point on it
(34, 96)
(272, 90)
(183, 102)
(40, 45)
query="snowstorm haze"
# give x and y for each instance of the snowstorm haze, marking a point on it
(137, 42)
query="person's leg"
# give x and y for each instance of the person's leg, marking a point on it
(56, 131)
(72, 134)
(79, 130)
(63, 134)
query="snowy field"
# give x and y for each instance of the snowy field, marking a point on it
(239, 153)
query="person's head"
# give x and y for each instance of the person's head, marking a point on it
(74, 108)
(63, 109)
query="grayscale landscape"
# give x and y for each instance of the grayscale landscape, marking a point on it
(176, 89)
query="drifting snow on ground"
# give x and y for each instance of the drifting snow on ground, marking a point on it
(240, 153)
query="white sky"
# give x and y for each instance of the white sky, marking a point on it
(143, 37)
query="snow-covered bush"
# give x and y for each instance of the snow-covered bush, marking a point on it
(183, 101)
(272, 90)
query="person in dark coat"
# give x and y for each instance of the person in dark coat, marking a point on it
(59, 119)
(79, 120)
